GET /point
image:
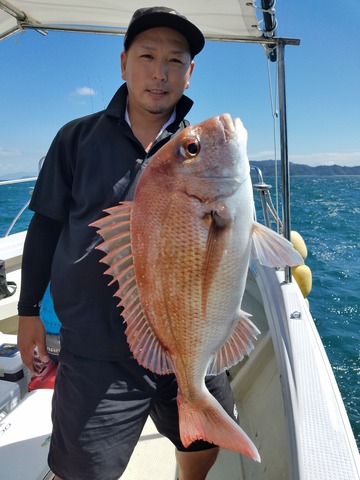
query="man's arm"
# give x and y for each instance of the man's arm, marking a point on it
(41, 240)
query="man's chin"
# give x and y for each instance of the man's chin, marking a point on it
(158, 110)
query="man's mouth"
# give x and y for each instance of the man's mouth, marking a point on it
(158, 92)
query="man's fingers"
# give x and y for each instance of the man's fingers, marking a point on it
(27, 357)
(31, 343)
(40, 359)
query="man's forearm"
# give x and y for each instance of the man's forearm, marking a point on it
(41, 240)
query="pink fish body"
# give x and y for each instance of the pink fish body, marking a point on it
(180, 253)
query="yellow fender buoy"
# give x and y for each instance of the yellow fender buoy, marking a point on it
(303, 277)
(299, 244)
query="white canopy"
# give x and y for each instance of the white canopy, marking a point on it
(226, 19)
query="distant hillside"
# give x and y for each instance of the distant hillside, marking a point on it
(267, 167)
(16, 176)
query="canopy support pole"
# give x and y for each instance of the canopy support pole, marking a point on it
(285, 168)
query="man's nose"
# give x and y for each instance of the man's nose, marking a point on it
(160, 71)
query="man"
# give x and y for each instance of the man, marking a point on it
(102, 397)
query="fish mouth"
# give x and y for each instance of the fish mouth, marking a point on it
(228, 126)
(232, 128)
(234, 167)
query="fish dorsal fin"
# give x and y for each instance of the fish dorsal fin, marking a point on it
(115, 230)
(273, 250)
(239, 344)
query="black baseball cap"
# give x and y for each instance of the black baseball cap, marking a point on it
(145, 18)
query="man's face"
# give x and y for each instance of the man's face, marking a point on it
(157, 68)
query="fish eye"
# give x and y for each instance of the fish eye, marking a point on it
(190, 148)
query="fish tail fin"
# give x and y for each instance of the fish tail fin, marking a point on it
(208, 421)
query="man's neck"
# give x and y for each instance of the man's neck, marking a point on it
(147, 127)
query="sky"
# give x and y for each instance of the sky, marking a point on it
(47, 81)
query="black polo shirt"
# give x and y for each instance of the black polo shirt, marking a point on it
(87, 169)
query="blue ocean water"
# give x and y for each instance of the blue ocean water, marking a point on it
(12, 199)
(326, 212)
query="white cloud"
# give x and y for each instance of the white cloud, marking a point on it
(84, 91)
(14, 160)
(14, 152)
(263, 155)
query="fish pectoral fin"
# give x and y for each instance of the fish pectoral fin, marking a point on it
(273, 250)
(239, 344)
(215, 246)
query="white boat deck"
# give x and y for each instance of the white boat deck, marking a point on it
(11, 249)
(8, 310)
(154, 458)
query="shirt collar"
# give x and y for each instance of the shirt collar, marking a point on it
(169, 122)
(117, 106)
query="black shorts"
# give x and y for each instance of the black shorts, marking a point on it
(99, 411)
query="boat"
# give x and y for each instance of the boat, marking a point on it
(286, 393)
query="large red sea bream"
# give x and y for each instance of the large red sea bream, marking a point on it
(180, 253)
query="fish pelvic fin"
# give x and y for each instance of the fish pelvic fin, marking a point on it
(207, 420)
(239, 344)
(115, 230)
(273, 250)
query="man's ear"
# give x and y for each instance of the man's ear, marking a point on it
(123, 60)
(192, 65)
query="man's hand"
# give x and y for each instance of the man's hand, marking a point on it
(32, 344)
